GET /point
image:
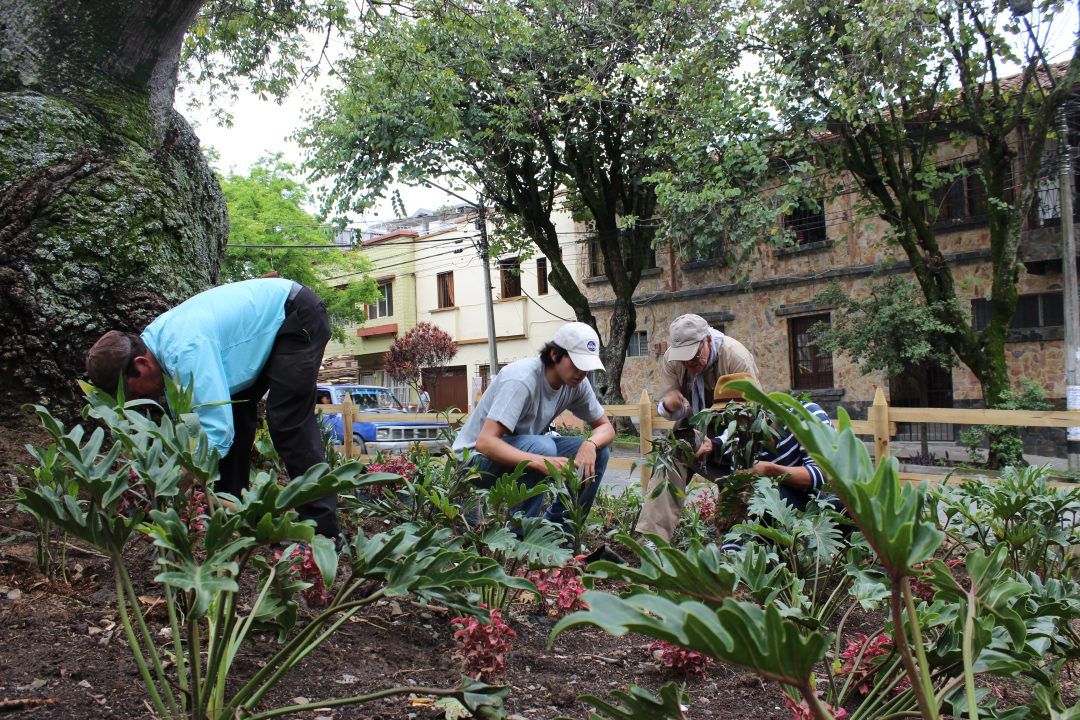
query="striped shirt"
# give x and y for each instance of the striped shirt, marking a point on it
(790, 453)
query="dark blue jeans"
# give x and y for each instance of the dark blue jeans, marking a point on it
(551, 446)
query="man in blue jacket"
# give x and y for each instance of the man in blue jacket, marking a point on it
(233, 344)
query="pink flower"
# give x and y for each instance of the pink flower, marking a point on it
(482, 646)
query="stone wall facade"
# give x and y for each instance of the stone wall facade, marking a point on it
(757, 301)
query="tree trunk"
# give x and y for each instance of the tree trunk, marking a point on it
(109, 213)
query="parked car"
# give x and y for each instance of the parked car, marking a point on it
(391, 436)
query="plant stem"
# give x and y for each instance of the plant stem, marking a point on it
(195, 651)
(968, 650)
(814, 703)
(133, 641)
(920, 649)
(356, 699)
(148, 639)
(178, 645)
(900, 639)
(272, 665)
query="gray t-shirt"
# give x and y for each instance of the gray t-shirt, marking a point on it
(522, 401)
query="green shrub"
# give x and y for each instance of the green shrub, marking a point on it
(134, 476)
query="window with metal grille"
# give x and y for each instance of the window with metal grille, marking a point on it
(806, 222)
(446, 289)
(639, 344)
(811, 367)
(541, 276)
(510, 273)
(962, 199)
(384, 306)
(1038, 310)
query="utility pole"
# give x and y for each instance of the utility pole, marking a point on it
(1069, 285)
(493, 352)
(485, 258)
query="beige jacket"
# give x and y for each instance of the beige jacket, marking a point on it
(731, 357)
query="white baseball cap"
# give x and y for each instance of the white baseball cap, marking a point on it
(582, 344)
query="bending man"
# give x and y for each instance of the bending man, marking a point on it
(509, 425)
(235, 343)
(696, 357)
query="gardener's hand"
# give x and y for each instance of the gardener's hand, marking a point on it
(585, 460)
(705, 449)
(540, 464)
(675, 403)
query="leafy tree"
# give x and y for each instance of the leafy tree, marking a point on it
(110, 212)
(526, 100)
(878, 88)
(266, 208)
(424, 347)
(891, 330)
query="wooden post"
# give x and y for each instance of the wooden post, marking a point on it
(645, 418)
(879, 419)
(346, 426)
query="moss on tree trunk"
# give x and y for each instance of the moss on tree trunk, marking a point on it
(109, 213)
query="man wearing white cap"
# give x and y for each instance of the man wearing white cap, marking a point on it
(509, 425)
(696, 357)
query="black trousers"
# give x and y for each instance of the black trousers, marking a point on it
(289, 376)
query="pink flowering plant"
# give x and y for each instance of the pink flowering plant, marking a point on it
(679, 660)
(559, 588)
(482, 644)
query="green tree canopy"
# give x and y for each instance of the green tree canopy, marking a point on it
(868, 94)
(528, 100)
(266, 208)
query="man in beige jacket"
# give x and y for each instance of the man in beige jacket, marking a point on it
(696, 357)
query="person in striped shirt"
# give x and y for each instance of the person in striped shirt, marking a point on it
(800, 477)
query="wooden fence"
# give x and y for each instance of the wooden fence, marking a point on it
(880, 425)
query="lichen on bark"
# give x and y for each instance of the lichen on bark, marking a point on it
(99, 229)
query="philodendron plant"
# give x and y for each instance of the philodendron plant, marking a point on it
(992, 622)
(134, 476)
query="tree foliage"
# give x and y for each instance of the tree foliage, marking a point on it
(890, 330)
(265, 43)
(266, 208)
(528, 100)
(883, 91)
(423, 347)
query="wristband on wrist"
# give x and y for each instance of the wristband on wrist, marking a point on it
(590, 440)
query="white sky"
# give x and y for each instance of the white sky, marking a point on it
(262, 127)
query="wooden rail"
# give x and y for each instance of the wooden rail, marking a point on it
(880, 425)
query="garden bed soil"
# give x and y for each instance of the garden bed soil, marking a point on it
(63, 648)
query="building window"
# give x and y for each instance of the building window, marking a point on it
(596, 259)
(806, 222)
(811, 368)
(446, 289)
(1040, 310)
(962, 199)
(639, 344)
(541, 276)
(384, 307)
(510, 273)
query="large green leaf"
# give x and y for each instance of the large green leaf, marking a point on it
(739, 633)
(700, 573)
(890, 514)
(637, 703)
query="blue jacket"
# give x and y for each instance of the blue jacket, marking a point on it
(219, 341)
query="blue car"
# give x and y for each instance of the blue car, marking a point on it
(373, 436)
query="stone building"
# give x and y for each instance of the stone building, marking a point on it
(770, 303)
